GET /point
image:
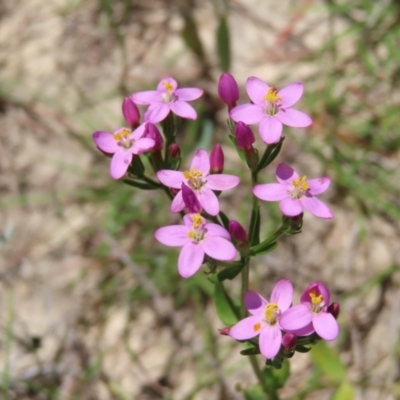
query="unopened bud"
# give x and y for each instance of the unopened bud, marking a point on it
(294, 224)
(228, 90)
(244, 136)
(238, 232)
(224, 331)
(189, 198)
(152, 132)
(334, 309)
(174, 150)
(217, 159)
(289, 341)
(131, 112)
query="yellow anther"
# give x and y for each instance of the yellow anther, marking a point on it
(272, 95)
(316, 299)
(257, 326)
(197, 220)
(168, 86)
(122, 134)
(192, 234)
(301, 183)
(270, 312)
(193, 174)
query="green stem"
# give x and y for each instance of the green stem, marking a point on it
(257, 371)
(245, 286)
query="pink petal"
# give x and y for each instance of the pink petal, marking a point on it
(318, 185)
(217, 230)
(296, 317)
(139, 131)
(219, 248)
(142, 145)
(291, 94)
(170, 178)
(285, 174)
(222, 181)
(190, 259)
(256, 89)
(282, 294)
(270, 341)
(208, 200)
(270, 191)
(270, 129)
(254, 302)
(105, 142)
(183, 109)
(167, 80)
(188, 94)
(306, 331)
(319, 288)
(244, 329)
(156, 112)
(290, 207)
(177, 203)
(247, 113)
(316, 207)
(294, 118)
(201, 162)
(326, 326)
(120, 163)
(146, 97)
(173, 235)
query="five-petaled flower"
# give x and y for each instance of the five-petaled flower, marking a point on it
(271, 109)
(295, 193)
(123, 144)
(167, 98)
(265, 318)
(312, 315)
(197, 238)
(199, 180)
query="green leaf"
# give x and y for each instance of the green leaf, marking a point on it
(328, 362)
(344, 392)
(224, 219)
(141, 185)
(254, 231)
(277, 378)
(226, 310)
(302, 349)
(223, 45)
(229, 273)
(191, 36)
(250, 351)
(254, 393)
(263, 248)
(240, 152)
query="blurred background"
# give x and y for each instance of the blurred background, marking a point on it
(91, 307)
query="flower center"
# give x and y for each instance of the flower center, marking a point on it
(317, 301)
(299, 187)
(194, 178)
(271, 313)
(198, 231)
(168, 96)
(122, 137)
(273, 100)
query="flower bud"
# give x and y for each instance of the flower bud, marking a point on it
(189, 198)
(152, 132)
(174, 150)
(289, 341)
(244, 136)
(334, 309)
(228, 90)
(238, 232)
(293, 224)
(131, 112)
(224, 331)
(216, 159)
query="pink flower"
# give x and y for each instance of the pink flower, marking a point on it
(123, 143)
(197, 238)
(295, 193)
(271, 109)
(167, 98)
(199, 180)
(312, 315)
(265, 318)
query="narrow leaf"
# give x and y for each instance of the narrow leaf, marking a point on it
(224, 45)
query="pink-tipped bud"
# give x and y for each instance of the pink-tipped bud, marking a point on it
(189, 198)
(334, 309)
(131, 112)
(238, 232)
(224, 331)
(217, 159)
(244, 136)
(152, 132)
(228, 90)
(174, 150)
(289, 341)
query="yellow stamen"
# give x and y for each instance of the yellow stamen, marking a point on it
(257, 326)
(270, 312)
(197, 220)
(272, 95)
(316, 300)
(168, 86)
(301, 183)
(194, 173)
(122, 134)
